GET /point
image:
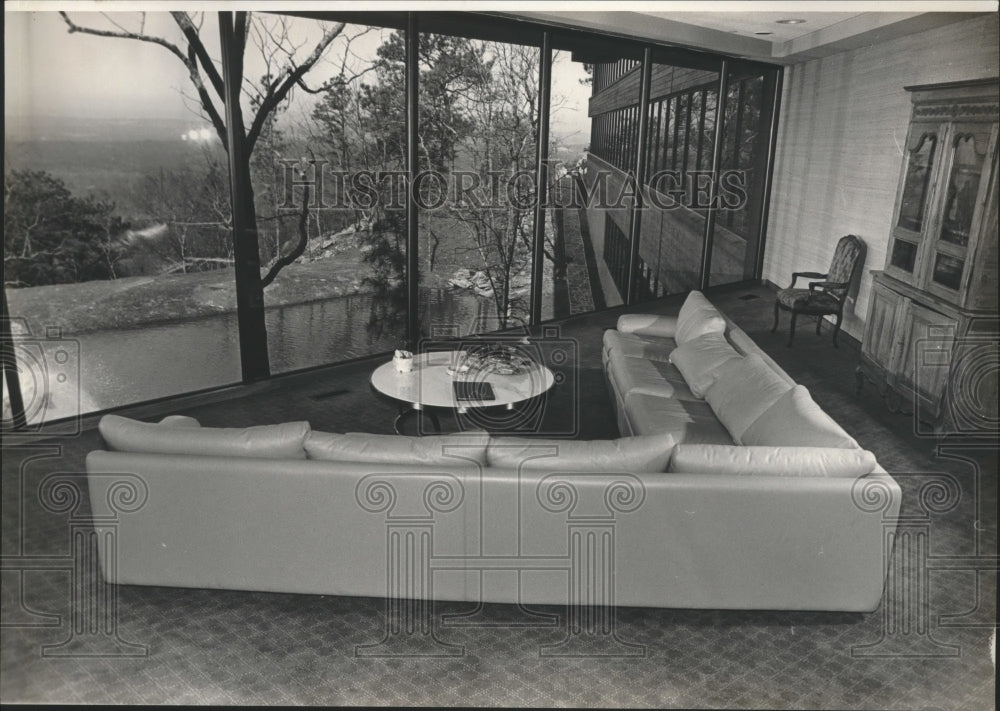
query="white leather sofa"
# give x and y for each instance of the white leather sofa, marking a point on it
(674, 515)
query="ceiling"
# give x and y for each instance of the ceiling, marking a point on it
(739, 33)
(752, 23)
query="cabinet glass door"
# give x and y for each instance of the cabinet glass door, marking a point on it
(968, 148)
(963, 187)
(922, 147)
(916, 182)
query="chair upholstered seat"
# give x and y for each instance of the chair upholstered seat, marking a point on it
(826, 295)
(808, 302)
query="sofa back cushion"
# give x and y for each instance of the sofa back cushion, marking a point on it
(697, 317)
(284, 441)
(653, 325)
(450, 449)
(700, 359)
(771, 461)
(180, 421)
(642, 453)
(743, 388)
(795, 420)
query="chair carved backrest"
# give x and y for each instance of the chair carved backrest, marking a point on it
(845, 259)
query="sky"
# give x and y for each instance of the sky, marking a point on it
(50, 72)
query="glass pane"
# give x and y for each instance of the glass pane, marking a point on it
(904, 255)
(673, 218)
(477, 124)
(708, 133)
(948, 271)
(743, 150)
(344, 295)
(683, 132)
(667, 162)
(117, 251)
(571, 280)
(697, 130)
(918, 173)
(963, 187)
(595, 252)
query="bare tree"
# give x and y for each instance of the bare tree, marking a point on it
(288, 64)
(502, 105)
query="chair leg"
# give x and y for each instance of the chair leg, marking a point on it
(836, 328)
(791, 330)
(819, 325)
(777, 311)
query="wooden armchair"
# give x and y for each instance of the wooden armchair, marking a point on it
(826, 296)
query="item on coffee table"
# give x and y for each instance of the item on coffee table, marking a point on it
(403, 361)
(498, 358)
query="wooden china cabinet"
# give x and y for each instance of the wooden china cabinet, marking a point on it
(930, 339)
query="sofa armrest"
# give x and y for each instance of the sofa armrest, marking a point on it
(648, 325)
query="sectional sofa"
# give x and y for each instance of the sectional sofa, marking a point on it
(730, 489)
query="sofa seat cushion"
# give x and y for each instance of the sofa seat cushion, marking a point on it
(687, 420)
(361, 447)
(697, 317)
(633, 346)
(743, 389)
(638, 375)
(796, 420)
(700, 360)
(644, 453)
(284, 441)
(772, 461)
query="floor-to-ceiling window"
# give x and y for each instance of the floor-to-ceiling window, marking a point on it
(333, 266)
(614, 70)
(682, 113)
(117, 249)
(742, 167)
(478, 128)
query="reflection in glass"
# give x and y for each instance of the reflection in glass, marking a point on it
(742, 150)
(673, 226)
(570, 278)
(918, 173)
(963, 187)
(598, 272)
(904, 255)
(948, 271)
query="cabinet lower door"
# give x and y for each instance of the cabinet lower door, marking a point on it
(882, 329)
(925, 358)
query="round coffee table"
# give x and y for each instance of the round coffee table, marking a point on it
(429, 386)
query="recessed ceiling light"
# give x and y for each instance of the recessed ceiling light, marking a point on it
(793, 21)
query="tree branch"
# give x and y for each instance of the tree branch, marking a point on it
(290, 78)
(183, 21)
(73, 27)
(300, 248)
(189, 61)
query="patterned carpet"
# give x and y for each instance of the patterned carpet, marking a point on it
(927, 647)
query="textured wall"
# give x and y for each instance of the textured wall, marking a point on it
(840, 145)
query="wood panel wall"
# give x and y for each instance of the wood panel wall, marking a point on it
(840, 145)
